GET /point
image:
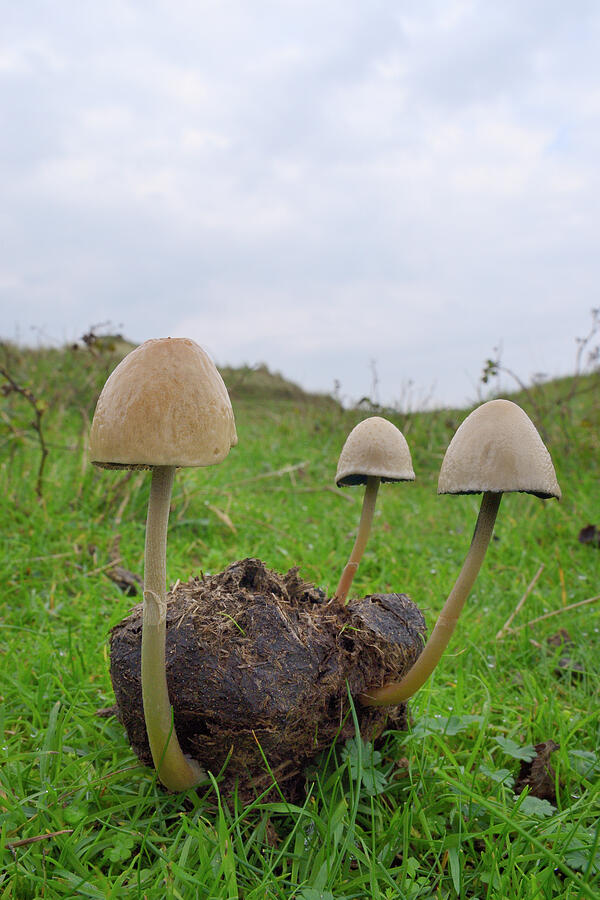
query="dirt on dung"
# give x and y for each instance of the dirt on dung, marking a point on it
(259, 668)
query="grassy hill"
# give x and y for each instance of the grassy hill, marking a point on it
(429, 813)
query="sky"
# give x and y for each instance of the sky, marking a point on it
(366, 196)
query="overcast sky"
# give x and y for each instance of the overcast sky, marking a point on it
(333, 188)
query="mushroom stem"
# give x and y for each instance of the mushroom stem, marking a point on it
(174, 770)
(415, 678)
(364, 529)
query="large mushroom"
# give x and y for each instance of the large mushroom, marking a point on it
(374, 451)
(164, 406)
(496, 450)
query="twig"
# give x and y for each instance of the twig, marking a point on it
(123, 505)
(277, 473)
(222, 516)
(558, 612)
(38, 411)
(108, 565)
(54, 556)
(520, 604)
(95, 781)
(39, 837)
(327, 487)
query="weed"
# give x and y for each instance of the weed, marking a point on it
(428, 813)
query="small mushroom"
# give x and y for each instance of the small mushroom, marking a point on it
(496, 450)
(375, 451)
(164, 406)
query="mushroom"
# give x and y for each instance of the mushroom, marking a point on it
(374, 451)
(165, 405)
(496, 450)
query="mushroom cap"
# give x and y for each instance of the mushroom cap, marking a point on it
(498, 449)
(165, 404)
(374, 447)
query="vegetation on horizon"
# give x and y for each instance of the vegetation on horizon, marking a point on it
(493, 792)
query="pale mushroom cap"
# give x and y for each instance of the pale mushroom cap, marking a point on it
(498, 449)
(374, 447)
(165, 404)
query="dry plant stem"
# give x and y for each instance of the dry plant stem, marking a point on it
(174, 770)
(506, 627)
(364, 528)
(38, 412)
(391, 694)
(558, 612)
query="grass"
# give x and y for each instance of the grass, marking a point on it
(430, 813)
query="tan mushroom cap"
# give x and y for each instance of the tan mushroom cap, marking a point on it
(498, 449)
(165, 404)
(374, 447)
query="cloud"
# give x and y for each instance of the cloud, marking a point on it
(300, 181)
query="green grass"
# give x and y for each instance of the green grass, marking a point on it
(430, 813)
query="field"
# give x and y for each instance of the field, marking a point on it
(494, 792)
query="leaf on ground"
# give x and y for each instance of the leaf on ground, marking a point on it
(585, 762)
(579, 850)
(501, 776)
(533, 806)
(561, 638)
(565, 664)
(537, 774)
(511, 748)
(121, 849)
(449, 725)
(127, 581)
(589, 535)
(364, 759)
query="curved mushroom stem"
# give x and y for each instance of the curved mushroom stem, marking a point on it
(415, 678)
(364, 529)
(176, 771)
